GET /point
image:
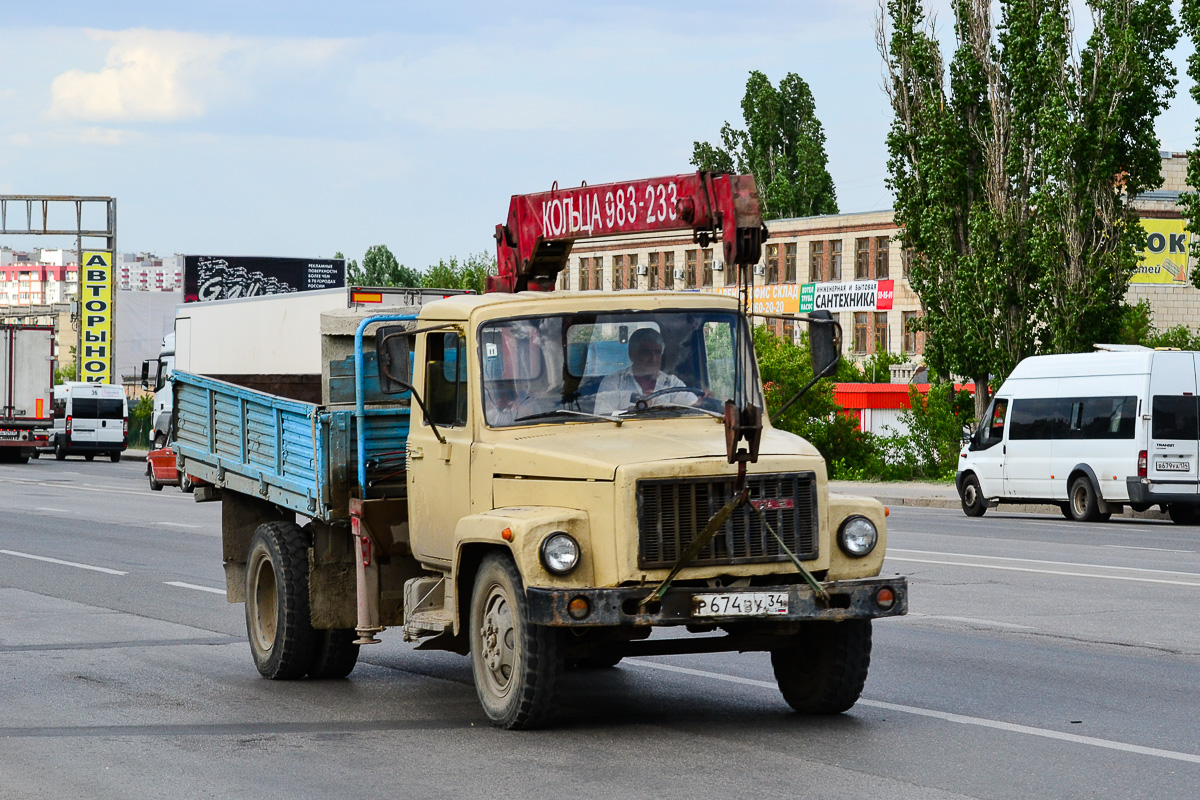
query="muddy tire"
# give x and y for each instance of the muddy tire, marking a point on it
(973, 504)
(282, 641)
(60, 450)
(823, 668)
(114, 457)
(516, 664)
(155, 486)
(335, 654)
(1082, 500)
(186, 484)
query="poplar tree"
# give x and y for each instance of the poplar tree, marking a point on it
(1013, 185)
(1189, 16)
(783, 147)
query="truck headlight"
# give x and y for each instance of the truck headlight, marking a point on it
(857, 536)
(560, 553)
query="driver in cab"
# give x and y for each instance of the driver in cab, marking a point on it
(644, 375)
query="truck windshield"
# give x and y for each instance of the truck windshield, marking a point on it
(594, 366)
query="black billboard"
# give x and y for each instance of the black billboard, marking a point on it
(225, 277)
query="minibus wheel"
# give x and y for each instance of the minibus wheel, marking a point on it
(1082, 500)
(1182, 514)
(973, 504)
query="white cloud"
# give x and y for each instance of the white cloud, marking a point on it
(148, 76)
(162, 76)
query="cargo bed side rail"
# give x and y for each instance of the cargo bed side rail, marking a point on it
(252, 442)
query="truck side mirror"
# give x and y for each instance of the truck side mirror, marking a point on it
(823, 342)
(393, 350)
(145, 374)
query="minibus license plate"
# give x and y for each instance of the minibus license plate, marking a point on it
(1173, 466)
(741, 604)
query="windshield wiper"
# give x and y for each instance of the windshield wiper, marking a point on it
(567, 412)
(630, 412)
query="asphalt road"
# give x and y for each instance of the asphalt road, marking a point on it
(1041, 658)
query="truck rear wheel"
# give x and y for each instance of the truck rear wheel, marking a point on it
(516, 664)
(282, 640)
(823, 668)
(335, 654)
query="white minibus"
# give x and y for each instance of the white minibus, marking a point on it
(1091, 433)
(89, 419)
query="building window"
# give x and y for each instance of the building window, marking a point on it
(631, 271)
(835, 260)
(585, 274)
(564, 279)
(862, 331)
(862, 259)
(689, 269)
(598, 273)
(789, 262)
(668, 270)
(731, 276)
(881, 331)
(883, 268)
(906, 257)
(789, 330)
(772, 263)
(618, 273)
(914, 342)
(816, 259)
(652, 262)
(707, 272)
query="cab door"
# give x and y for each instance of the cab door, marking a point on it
(1174, 423)
(987, 449)
(439, 472)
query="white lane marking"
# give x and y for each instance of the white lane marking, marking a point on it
(1049, 563)
(1152, 549)
(981, 722)
(183, 585)
(180, 525)
(56, 510)
(973, 621)
(1063, 573)
(48, 560)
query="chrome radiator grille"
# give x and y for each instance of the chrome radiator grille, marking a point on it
(671, 513)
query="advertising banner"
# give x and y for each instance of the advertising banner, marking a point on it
(96, 317)
(778, 298)
(847, 296)
(224, 277)
(1164, 256)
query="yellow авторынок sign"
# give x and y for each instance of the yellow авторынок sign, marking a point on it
(1164, 256)
(96, 317)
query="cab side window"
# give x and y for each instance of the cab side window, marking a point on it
(446, 379)
(992, 430)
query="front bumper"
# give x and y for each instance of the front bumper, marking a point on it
(853, 599)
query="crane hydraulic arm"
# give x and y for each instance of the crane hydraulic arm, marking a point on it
(533, 246)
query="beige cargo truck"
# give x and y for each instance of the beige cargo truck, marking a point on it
(541, 481)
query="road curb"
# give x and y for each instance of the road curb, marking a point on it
(1006, 508)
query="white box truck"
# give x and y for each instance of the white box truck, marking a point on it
(1091, 433)
(26, 375)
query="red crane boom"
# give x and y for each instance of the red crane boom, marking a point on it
(533, 246)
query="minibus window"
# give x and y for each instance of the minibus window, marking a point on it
(992, 431)
(1174, 417)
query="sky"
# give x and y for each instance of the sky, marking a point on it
(301, 128)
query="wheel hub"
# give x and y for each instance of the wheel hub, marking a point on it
(497, 638)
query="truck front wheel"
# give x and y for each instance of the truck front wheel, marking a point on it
(516, 664)
(282, 640)
(823, 668)
(973, 504)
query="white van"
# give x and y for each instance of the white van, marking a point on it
(89, 418)
(1090, 432)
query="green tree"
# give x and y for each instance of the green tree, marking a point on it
(783, 146)
(380, 268)
(470, 273)
(1012, 187)
(1189, 15)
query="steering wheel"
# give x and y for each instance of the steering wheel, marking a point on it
(643, 402)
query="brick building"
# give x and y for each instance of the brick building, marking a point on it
(854, 263)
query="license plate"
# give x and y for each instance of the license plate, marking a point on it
(740, 604)
(1173, 466)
